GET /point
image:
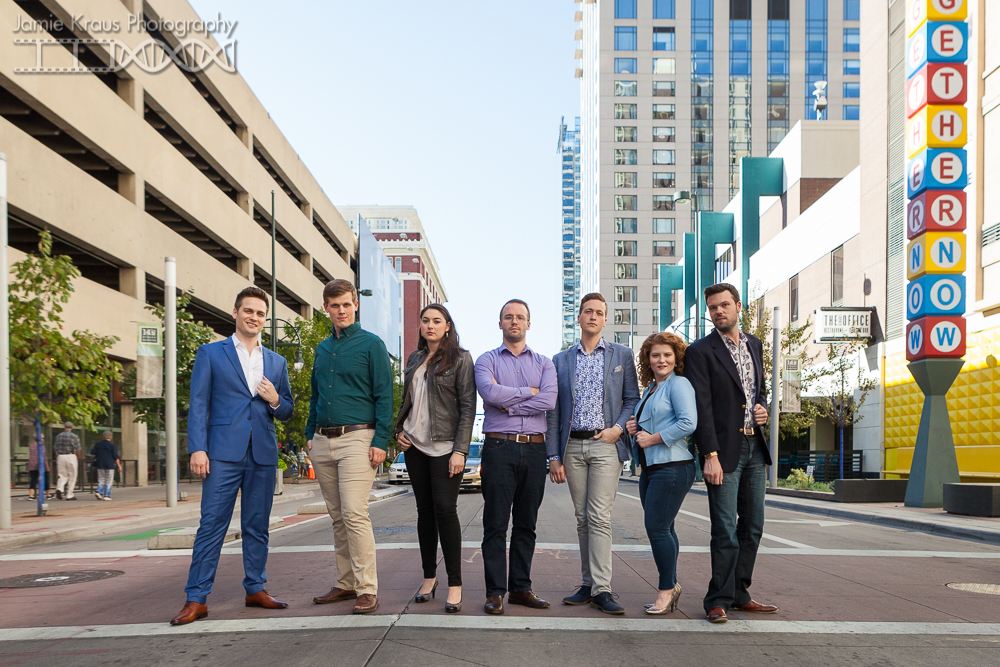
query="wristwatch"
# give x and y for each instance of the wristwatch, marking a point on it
(711, 455)
(554, 458)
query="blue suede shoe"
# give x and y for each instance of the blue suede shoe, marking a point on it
(582, 596)
(606, 603)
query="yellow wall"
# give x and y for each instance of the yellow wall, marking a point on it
(974, 403)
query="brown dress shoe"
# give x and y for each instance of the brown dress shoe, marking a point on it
(263, 599)
(494, 604)
(366, 604)
(717, 615)
(191, 612)
(528, 599)
(335, 595)
(753, 607)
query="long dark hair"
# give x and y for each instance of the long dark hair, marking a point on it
(448, 349)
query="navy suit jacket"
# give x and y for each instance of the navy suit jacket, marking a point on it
(224, 414)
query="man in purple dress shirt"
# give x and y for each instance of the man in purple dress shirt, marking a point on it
(517, 385)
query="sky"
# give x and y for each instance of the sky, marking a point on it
(451, 106)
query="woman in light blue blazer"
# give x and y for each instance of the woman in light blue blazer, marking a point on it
(666, 415)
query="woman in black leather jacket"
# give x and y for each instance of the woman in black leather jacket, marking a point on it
(434, 428)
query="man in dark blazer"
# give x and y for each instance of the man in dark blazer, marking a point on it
(726, 370)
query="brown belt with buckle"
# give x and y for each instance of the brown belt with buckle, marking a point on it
(337, 431)
(748, 430)
(517, 437)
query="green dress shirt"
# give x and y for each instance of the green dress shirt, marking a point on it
(352, 384)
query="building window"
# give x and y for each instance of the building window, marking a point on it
(837, 276)
(663, 248)
(625, 66)
(663, 9)
(664, 157)
(625, 38)
(664, 111)
(626, 248)
(664, 66)
(623, 316)
(701, 158)
(625, 9)
(701, 111)
(852, 40)
(623, 134)
(656, 317)
(663, 226)
(793, 298)
(626, 294)
(626, 203)
(852, 112)
(702, 180)
(701, 135)
(852, 89)
(625, 112)
(663, 39)
(626, 226)
(663, 202)
(626, 156)
(852, 66)
(664, 89)
(622, 338)
(664, 134)
(852, 10)
(399, 264)
(626, 179)
(626, 89)
(664, 179)
(626, 272)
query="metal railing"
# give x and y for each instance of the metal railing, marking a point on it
(826, 465)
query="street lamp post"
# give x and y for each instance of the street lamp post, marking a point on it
(5, 518)
(274, 278)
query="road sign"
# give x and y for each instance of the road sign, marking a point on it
(934, 336)
(936, 169)
(935, 252)
(935, 294)
(936, 211)
(937, 42)
(918, 11)
(936, 126)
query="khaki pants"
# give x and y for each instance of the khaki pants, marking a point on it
(592, 470)
(66, 467)
(345, 476)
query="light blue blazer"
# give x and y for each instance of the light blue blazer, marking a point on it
(671, 412)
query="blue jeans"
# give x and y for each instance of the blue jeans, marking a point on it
(105, 480)
(661, 492)
(513, 482)
(736, 508)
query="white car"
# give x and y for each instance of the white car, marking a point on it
(397, 471)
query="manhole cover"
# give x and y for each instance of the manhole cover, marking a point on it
(989, 589)
(58, 578)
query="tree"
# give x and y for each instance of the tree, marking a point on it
(54, 377)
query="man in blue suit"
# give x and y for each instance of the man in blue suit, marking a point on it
(238, 389)
(586, 442)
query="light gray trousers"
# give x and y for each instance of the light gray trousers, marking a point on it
(592, 471)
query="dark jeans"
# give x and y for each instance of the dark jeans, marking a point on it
(661, 492)
(437, 512)
(736, 508)
(33, 480)
(513, 478)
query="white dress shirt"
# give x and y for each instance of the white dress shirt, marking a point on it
(252, 363)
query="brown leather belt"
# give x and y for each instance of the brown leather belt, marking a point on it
(517, 437)
(337, 431)
(748, 430)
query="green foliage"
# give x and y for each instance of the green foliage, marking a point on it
(312, 332)
(191, 335)
(61, 377)
(798, 479)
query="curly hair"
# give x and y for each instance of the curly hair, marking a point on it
(660, 338)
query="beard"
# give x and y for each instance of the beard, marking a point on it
(725, 325)
(515, 337)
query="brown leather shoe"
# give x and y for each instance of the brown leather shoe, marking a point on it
(335, 595)
(191, 612)
(717, 615)
(263, 599)
(366, 604)
(528, 599)
(494, 604)
(753, 607)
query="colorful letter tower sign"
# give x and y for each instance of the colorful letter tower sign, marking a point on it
(936, 176)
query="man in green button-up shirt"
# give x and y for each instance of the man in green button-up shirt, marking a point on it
(350, 421)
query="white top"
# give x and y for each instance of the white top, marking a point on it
(418, 423)
(252, 363)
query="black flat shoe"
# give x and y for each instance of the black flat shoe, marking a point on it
(450, 608)
(425, 597)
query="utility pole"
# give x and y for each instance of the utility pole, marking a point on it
(5, 519)
(170, 368)
(775, 384)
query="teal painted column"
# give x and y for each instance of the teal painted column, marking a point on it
(671, 278)
(934, 461)
(759, 177)
(713, 229)
(690, 273)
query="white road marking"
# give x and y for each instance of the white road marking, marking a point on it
(821, 524)
(277, 624)
(766, 536)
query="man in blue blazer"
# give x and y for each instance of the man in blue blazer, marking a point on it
(586, 442)
(238, 389)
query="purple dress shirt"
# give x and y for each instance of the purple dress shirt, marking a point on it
(515, 376)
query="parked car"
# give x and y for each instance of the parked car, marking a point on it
(397, 471)
(472, 478)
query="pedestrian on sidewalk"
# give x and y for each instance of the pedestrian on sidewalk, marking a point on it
(350, 422)
(586, 443)
(106, 462)
(68, 453)
(665, 417)
(33, 473)
(517, 386)
(434, 428)
(238, 389)
(726, 369)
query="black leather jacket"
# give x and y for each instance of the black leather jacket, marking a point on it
(451, 400)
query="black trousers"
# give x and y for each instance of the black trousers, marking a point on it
(437, 512)
(33, 480)
(513, 483)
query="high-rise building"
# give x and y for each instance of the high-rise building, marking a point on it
(569, 158)
(673, 94)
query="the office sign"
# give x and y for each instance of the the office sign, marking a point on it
(846, 325)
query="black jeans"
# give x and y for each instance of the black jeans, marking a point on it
(513, 479)
(437, 513)
(33, 480)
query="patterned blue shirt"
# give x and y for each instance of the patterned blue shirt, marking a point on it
(588, 406)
